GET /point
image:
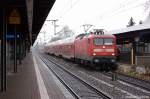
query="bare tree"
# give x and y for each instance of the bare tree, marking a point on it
(65, 32)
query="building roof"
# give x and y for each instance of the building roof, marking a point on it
(32, 14)
(143, 26)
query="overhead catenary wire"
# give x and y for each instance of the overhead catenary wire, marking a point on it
(127, 9)
(121, 9)
(70, 8)
(65, 9)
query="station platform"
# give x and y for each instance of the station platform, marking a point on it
(34, 81)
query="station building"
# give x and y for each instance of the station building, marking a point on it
(134, 44)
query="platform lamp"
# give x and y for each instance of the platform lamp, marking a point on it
(136, 39)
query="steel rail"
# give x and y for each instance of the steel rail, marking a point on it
(123, 77)
(103, 94)
(120, 77)
(61, 80)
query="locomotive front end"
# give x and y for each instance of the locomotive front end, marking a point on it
(103, 52)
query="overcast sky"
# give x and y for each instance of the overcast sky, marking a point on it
(106, 14)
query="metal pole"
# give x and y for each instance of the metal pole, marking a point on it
(5, 39)
(1, 66)
(20, 48)
(114, 76)
(15, 48)
(22, 44)
(54, 22)
(25, 48)
(2, 63)
(54, 27)
(3, 54)
(132, 56)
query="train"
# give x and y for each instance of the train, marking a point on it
(94, 49)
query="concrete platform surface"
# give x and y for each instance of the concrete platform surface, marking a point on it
(33, 81)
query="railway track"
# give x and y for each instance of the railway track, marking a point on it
(131, 80)
(78, 87)
(102, 82)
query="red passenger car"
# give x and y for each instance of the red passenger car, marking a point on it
(64, 48)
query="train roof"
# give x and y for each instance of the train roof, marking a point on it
(63, 41)
(72, 38)
(94, 35)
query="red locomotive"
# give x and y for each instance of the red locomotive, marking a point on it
(94, 49)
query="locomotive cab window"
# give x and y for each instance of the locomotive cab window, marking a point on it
(98, 41)
(108, 41)
(103, 41)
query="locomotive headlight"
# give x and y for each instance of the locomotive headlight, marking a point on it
(113, 60)
(94, 54)
(96, 60)
(113, 54)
